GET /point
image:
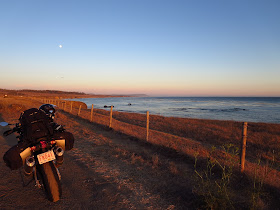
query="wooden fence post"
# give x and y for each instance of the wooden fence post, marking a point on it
(71, 106)
(148, 123)
(111, 117)
(243, 148)
(79, 109)
(91, 113)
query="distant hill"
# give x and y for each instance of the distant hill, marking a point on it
(43, 93)
(28, 91)
(57, 94)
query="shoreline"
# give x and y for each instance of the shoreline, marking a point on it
(192, 107)
(84, 105)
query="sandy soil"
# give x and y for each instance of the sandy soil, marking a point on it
(105, 170)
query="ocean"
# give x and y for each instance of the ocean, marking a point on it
(249, 109)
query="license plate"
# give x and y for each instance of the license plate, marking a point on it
(46, 157)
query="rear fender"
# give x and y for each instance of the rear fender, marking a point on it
(60, 143)
(25, 153)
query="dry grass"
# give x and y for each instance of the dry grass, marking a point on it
(196, 137)
(188, 137)
(182, 133)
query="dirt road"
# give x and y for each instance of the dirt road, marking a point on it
(105, 170)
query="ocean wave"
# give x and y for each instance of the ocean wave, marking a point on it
(208, 109)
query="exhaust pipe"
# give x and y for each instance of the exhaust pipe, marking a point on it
(28, 166)
(59, 156)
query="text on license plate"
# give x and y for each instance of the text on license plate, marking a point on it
(46, 157)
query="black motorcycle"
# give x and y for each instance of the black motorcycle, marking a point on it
(41, 161)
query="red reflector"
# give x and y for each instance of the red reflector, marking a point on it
(43, 144)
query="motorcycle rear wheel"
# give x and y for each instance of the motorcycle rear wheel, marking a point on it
(50, 181)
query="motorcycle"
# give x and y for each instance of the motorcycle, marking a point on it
(41, 161)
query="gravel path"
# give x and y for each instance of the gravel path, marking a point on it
(105, 170)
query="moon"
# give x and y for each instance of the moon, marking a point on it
(60, 46)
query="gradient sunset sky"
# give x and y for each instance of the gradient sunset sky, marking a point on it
(154, 47)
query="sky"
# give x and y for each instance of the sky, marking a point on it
(153, 47)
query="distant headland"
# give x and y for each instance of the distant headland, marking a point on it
(59, 94)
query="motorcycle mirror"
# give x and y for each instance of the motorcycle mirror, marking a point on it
(4, 124)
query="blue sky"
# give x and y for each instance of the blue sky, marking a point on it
(154, 47)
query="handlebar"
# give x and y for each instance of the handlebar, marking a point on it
(8, 132)
(15, 129)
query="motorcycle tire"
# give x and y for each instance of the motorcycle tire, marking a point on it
(51, 182)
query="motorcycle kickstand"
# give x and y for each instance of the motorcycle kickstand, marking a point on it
(37, 182)
(58, 173)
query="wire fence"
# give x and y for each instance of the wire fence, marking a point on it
(192, 137)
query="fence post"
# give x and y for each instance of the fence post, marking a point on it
(243, 148)
(91, 113)
(79, 109)
(111, 117)
(148, 123)
(71, 106)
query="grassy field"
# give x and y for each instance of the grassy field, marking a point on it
(262, 141)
